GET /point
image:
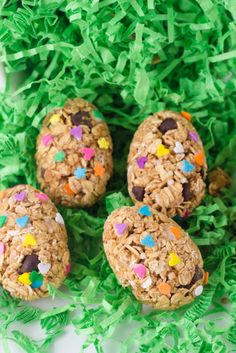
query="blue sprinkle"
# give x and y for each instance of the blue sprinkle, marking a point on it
(22, 221)
(37, 284)
(80, 173)
(145, 211)
(187, 166)
(148, 241)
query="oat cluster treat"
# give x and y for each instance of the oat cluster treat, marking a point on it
(150, 253)
(74, 154)
(33, 243)
(167, 164)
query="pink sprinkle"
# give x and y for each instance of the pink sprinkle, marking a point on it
(193, 135)
(170, 182)
(120, 228)
(141, 161)
(68, 268)
(2, 248)
(187, 213)
(20, 196)
(41, 196)
(76, 132)
(88, 153)
(140, 270)
(46, 139)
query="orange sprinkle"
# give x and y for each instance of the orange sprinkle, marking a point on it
(176, 231)
(206, 277)
(164, 288)
(199, 158)
(99, 170)
(68, 189)
(186, 115)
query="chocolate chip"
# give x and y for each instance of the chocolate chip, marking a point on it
(42, 172)
(138, 192)
(186, 192)
(197, 275)
(81, 118)
(29, 264)
(202, 173)
(167, 124)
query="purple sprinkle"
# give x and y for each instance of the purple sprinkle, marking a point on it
(76, 132)
(141, 161)
(120, 228)
(20, 196)
(193, 135)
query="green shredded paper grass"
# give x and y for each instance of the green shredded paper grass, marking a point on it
(131, 58)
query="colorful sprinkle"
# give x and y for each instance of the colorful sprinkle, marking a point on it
(120, 228)
(179, 148)
(2, 220)
(46, 140)
(193, 135)
(41, 196)
(173, 259)
(170, 182)
(206, 277)
(164, 288)
(36, 279)
(140, 270)
(44, 268)
(80, 173)
(20, 196)
(148, 241)
(68, 269)
(68, 190)
(25, 278)
(99, 170)
(2, 248)
(141, 161)
(88, 153)
(59, 156)
(103, 143)
(22, 221)
(162, 151)
(199, 158)
(77, 132)
(187, 167)
(59, 219)
(29, 240)
(145, 211)
(186, 115)
(198, 291)
(147, 283)
(54, 119)
(176, 231)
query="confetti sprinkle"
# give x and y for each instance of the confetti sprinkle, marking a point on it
(186, 115)
(99, 170)
(25, 278)
(29, 263)
(179, 148)
(22, 221)
(120, 228)
(44, 268)
(59, 219)
(140, 270)
(170, 182)
(41, 196)
(46, 140)
(147, 283)
(80, 173)
(59, 156)
(138, 192)
(167, 124)
(162, 151)
(77, 132)
(29, 240)
(68, 190)
(36, 279)
(206, 277)
(141, 161)
(2, 220)
(68, 269)
(103, 143)
(88, 153)
(193, 135)
(176, 231)
(164, 288)
(55, 118)
(173, 259)
(198, 291)
(2, 248)
(145, 211)
(20, 196)
(148, 241)
(187, 167)
(199, 158)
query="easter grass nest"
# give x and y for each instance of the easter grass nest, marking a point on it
(131, 58)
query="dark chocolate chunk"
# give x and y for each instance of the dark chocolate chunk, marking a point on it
(81, 118)
(202, 173)
(197, 275)
(29, 264)
(186, 192)
(138, 192)
(167, 124)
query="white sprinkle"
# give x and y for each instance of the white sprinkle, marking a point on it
(198, 291)
(13, 233)
(178, 147)
(142, 256)
(59, 219)
(170, 182)
(146, 283)
(44, 268)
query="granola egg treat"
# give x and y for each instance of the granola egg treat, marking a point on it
(167, 164)
(150, 253)
(33, 243)
(74, 154)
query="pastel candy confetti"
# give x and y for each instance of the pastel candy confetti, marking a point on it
(41, 196)
(77, 132)
(99, 170)
(46, 140)
(55, 118)
(164, 288)
(36, 279)
(20, 196)
(88, 153)
(68, 190)
(29, 240)
(25, 278)
(140, 270)
(187, 167)
(206, 277)
(193, 135)
(162, 150)
(148, 241)
(145, 211)
(2, 248)
(59, 156)
(68, 269)
(80, 173)
(44, 268)
(120, 228)
(198, 291)
(173, 259)
(176, 231)
(147, 283)
(186, 115)
(22, 221)
(141, 161)
(199, 158)
(179, 148)
(2, 220)
(170, 182)
(103, 143)
(59, 219)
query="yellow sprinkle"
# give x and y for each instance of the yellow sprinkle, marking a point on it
(54, 119)
(29, 240)
(25, 278)
(162, 151)
(103, 143)
(173, 259)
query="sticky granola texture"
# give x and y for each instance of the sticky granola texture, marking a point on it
(154, 256)
(74, 155)
(167, 164)
(33, 234)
